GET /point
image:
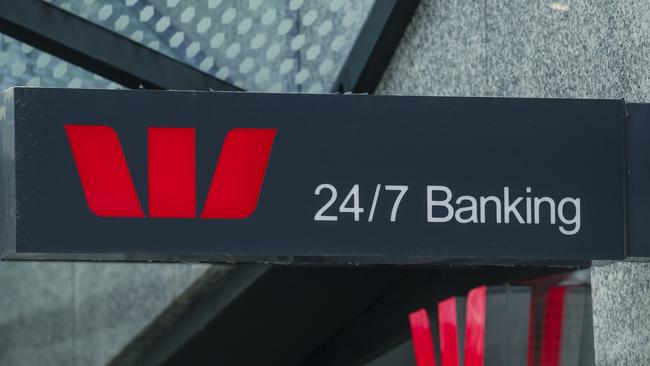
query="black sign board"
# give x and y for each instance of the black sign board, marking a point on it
(638, 181)
(216, 176)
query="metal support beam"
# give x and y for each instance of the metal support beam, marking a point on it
(375, 46)
(205, 299)
(258, 315)
(99, 50)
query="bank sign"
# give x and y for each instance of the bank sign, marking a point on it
(211, 176)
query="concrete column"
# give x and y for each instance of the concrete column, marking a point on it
(621, 301)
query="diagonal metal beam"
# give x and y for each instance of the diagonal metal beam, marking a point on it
(255, 315)
(99, 50)
(375, 46)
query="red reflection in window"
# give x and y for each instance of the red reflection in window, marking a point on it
(422, 338)
(448, 327)
(552, 331)
(475, 327)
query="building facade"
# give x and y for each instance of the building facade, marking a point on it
(103, 313)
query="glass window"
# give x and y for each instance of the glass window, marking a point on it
(24, 65)
(259, 45)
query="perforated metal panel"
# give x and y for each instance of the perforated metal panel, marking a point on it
(259, 45)
(24, 65)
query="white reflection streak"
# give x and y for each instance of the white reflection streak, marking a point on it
(559, 6)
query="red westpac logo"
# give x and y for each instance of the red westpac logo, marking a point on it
(109, 189)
